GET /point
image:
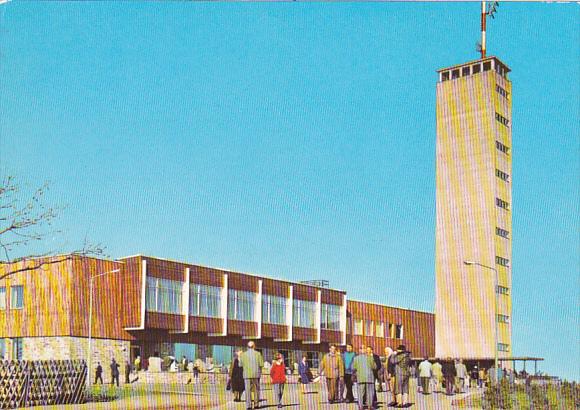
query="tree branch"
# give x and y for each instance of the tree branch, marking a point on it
(26, 221)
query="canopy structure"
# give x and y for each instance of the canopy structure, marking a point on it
(522, 359)
(488, 361)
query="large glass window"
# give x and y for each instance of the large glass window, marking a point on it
(241, 305)
(330, 317)
(16, 297)
(313, 359)
(380, 329)
(222, 355)
(358, 327)
(163, 295)
(398, 331)
(204, 300)
(369, 328)
(2, 298)
(273, 309)
(304, 314)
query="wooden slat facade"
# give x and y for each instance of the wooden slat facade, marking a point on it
(131, 285)
(56, 301)
(418, 328)
(47, 300)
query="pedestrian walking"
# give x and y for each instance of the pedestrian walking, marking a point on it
(252, 364)
(449, 374)
(389, 373)
(474, 377)
(437, 373)
(99, 373)
(236, 374)
(348, 358)
(425, 375)
(114, 372)
(363, 366)
(461, 375)
(378, 365)
(127, 372)
(481, 378)
(278, 375)
(402, 374)
(304, 373)
(333, 368)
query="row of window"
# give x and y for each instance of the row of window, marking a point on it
(16, 297)
(502, 232)
(469, 70)
(502, 175)
(502, 119)
(501, 91)
(165, 296)
(502, 204)
(503, 318)
(377, 329)
(502, 261)
(502, 290)
(502, 347)
(501, 147)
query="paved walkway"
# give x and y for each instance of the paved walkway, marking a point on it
(215, 397)
(317, 399)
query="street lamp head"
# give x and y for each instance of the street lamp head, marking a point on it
(469, 262)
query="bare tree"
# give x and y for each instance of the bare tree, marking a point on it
(26, 219)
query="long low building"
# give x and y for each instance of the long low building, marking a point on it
(142, 305)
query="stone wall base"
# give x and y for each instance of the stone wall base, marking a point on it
(75, 348)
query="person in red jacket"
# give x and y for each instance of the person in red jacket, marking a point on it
(278, 375)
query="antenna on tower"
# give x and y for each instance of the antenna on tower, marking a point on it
(486, 10)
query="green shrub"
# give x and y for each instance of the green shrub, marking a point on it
(534, 397)
(499, 396)
(100, 396)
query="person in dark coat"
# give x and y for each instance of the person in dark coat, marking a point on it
(99, 373)
(305, 374)
(348, 359)
(114, 372)
(237, 377)
(127, 372)
(402, 374)
(449, 374)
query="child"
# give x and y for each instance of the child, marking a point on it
(278, 374)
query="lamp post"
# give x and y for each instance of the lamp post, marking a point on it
(91, 278)
(495, 313)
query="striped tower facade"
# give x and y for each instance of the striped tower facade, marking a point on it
(473, 210)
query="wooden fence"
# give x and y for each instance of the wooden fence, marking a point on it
(41, 383)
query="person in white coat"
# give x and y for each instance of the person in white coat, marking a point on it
(424, 375)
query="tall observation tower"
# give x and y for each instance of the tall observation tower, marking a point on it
(474, 221)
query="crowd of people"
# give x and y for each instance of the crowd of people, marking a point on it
(344, 374)
(341, 372)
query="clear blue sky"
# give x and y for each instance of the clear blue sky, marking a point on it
(293, 140)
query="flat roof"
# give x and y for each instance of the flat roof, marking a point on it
(475, 61)
(389, 306)
(234, 271)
